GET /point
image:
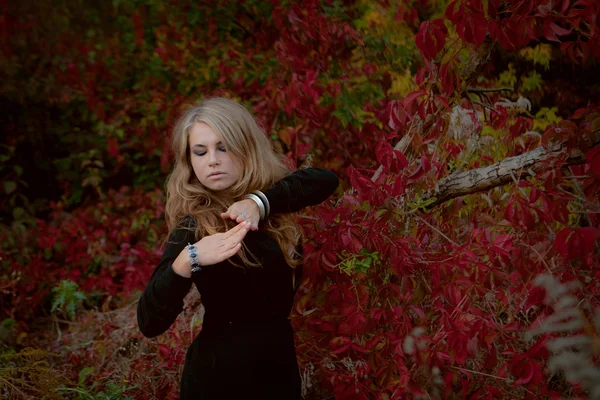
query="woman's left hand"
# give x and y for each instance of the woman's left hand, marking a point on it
(244, 210)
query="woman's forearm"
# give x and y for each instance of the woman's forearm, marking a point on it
(300, 189)
(162, 300)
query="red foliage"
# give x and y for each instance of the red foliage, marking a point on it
(108, 249)
(431, 38)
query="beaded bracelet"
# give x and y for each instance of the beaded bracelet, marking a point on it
(195, 264)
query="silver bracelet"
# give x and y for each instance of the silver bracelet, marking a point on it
(259, 203)
(265, 202)
(194, 263)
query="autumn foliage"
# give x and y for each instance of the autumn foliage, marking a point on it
(466, 135)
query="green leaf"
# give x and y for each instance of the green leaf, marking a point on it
(67, 298)
(532, 82)
(18, 213)
(8, 323)
(10, 186)
(83, 373)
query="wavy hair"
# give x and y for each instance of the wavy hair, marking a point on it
(261, 168)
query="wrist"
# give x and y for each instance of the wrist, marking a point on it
(259, 203)
(181, 265)
(253, 205)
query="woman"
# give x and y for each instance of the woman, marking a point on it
(229, 199)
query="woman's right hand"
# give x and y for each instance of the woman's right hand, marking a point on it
(213, 249)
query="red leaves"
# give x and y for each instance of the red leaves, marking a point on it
(164, 350)
(139, 28)
(551, 21)
(578, 52)
(69, 256)
(340, 344)
(363, 185)
(593, 158)
(422, 169)
(431, 37)
(521, 126)
(526, 371)
(350, 241)
(469, 19)
(354, 323)
(448, 79)
(526, 367)
(113, 147)
(510, 33)
(520, 213)
(398, 115)
(574, 243)
(391, 160)
(551, 30)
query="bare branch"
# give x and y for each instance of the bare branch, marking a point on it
(485, 178)
(486, 90)
(438, 231)
(485, 106)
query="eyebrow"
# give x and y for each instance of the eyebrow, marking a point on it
(202, 145)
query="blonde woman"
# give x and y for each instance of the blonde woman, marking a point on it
(232, 234)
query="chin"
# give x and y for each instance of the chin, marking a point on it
(218, 187)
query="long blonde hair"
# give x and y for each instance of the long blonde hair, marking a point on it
(261, 168)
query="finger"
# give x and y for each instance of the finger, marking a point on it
(231, 252)
(239, 236)
(237, 239)
(230, 233)
(230, 214)
(235, 216)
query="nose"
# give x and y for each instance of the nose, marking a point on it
(214, 159)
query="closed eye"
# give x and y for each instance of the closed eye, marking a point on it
(201, 153)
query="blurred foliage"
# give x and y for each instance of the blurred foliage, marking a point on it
(28, 373)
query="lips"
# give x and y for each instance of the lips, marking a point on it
(216, 174)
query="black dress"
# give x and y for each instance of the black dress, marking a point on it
(246, 347)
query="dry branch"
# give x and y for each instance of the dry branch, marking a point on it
(488, 90)
(485, 178)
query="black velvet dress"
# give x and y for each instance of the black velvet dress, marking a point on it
(246, 347)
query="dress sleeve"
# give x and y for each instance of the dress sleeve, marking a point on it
(162, 301)
(303, 188)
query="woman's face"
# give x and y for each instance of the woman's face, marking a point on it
(214, 167)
